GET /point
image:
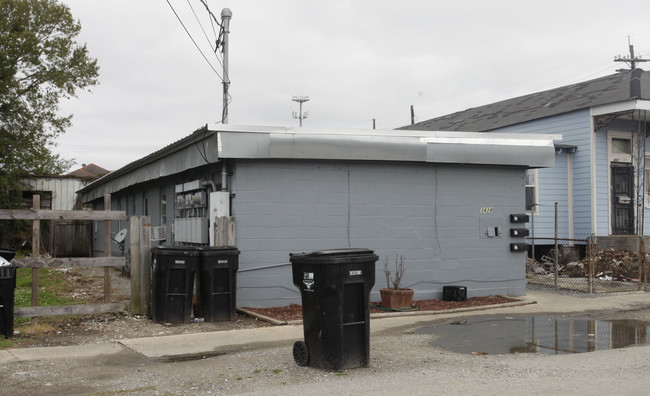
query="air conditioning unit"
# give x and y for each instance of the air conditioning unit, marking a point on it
(158, 233)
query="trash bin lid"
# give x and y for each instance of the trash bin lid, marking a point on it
(7, 254)
(164, 250)
(219, 250)
(335, 256)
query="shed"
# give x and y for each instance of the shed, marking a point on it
(443, 200)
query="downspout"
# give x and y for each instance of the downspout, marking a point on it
(224, 176)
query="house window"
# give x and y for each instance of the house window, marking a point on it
(619, 147)
(163, 209)
(531, 191)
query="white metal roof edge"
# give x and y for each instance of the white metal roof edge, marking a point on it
(416, 133)
(387, 145)
(632, 104)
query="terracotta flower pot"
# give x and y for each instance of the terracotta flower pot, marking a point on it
(396, 298)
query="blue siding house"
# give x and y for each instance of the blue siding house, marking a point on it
(600, 179)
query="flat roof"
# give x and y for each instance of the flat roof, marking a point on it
(212, 143)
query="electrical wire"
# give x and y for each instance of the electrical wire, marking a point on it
(201, 25)
(193, 41)
(211, 14)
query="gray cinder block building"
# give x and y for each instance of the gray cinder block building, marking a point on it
(443, 200)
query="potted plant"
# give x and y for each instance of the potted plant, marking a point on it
(393, 296)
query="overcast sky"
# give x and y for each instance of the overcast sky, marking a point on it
(356, 60)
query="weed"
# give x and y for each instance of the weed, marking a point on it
(277, 371)
(4, 343)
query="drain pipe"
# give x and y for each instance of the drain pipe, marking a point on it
(224, 176)
(211, 184)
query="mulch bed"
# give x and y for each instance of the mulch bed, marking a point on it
(294, 311)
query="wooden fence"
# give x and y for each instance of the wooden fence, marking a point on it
(36, 261)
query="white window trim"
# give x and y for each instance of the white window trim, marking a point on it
(618, 157)
(535, 174)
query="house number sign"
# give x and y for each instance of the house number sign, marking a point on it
(486, 210)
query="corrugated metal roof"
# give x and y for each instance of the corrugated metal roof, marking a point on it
(614, 88)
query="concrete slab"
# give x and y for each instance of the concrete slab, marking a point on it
(214, 342)
(58, 352)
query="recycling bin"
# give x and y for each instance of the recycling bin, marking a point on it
(173, 272)
(335, 291)
(216, 292)
(7, 289)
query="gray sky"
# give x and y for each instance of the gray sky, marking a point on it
(356, 60)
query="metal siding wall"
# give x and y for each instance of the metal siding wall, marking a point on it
(553, 188)
(429, 214)
(575, 130)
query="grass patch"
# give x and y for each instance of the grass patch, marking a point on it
(53, 288)
(5, 343)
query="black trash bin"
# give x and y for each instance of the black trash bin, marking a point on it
(335, 289)
(217, 288)
(173, 271)
(7, 288)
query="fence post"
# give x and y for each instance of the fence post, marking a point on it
(556, 247)
(140, 259)
(643, 268)
(225, 231)
(107, 250)
(36, 247)
(641, 254)
(590, 265)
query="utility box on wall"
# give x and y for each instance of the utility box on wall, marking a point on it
(219, 206)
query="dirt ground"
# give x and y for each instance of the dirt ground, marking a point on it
(112, 327)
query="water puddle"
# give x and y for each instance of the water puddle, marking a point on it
(536, 334)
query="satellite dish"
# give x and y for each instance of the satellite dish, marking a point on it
(119, 237)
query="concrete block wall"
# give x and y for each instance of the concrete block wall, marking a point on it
(433, 215)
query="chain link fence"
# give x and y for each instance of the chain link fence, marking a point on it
(595, 265)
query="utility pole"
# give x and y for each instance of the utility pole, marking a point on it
(226, 14)
(300, 115)
(631, 60)
(412, 115)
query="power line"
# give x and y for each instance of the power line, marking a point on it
(193, 41)
(200, 25)
(214, 18)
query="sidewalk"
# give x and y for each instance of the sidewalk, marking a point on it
(213, 343)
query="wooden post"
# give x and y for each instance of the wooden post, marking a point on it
(107, 251)
(641, 260)
(225, 231)
(140, 259)
(36, 247)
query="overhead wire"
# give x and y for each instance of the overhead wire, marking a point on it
(201, 25)
(213, 19)
(194, 41)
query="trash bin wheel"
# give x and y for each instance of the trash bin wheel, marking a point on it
(301, 353)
